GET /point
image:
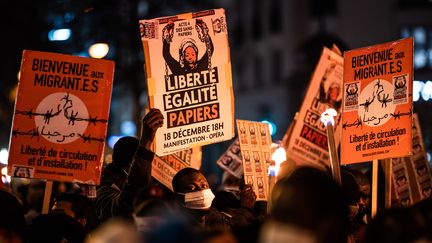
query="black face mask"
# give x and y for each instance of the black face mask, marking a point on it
(359, 219)
(362, 210)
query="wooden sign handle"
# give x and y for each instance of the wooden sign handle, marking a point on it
(47, 197)
(374, 187)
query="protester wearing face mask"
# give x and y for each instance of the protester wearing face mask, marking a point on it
(194, 195)
(357, 188)
(131, 172)
(195, 198)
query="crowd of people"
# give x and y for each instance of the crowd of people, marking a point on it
(306, 206)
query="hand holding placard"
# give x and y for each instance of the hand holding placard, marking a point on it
(150, 123)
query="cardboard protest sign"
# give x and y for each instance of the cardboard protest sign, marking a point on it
(401, 182)
(308, 141)
(377, 109)
(189, 78)
(419, 162)
(60, 118)
(255, 142)
(411, 175)
(231, 160)
(165, 167)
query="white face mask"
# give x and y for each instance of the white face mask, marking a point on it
(199, 199)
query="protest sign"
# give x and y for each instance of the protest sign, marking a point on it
(411, 175)
(255, 142)
(419, 162)
(231, 160)
(401, 182)
(60, 118)
(308, 142)
(377, 109)
(187, 63)
(165, 167)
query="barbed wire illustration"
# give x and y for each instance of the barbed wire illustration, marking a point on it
(367, 103)
(377, 93)
(32, 133)
(380, 89)
(65, 108)
(399, 114)
(89, 138)
(46, 116)
(72, 117)
(359, 121)
(384, 100)
(67, 102)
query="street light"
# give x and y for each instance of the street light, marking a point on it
(99, 50)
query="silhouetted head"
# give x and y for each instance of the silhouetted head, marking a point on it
(124, 150)
(55, 228)
(398, 225)
(310, 201)
(12, 221)
(76, 206)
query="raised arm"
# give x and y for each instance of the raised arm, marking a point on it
(167, 35)
(203, 34)
(140, 172)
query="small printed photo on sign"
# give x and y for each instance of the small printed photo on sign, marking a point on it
(263, 133)
(253, 134)
(261, 188)
(400, 93)
(257, 162)
(148, 29)
(351, 96)
(426, 189)
(23, 171)
(249, 180)
(247, 161)
(219, 25)
(231, 160)
(243, 135)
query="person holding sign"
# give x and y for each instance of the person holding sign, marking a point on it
(118, 188)
(195, 198)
